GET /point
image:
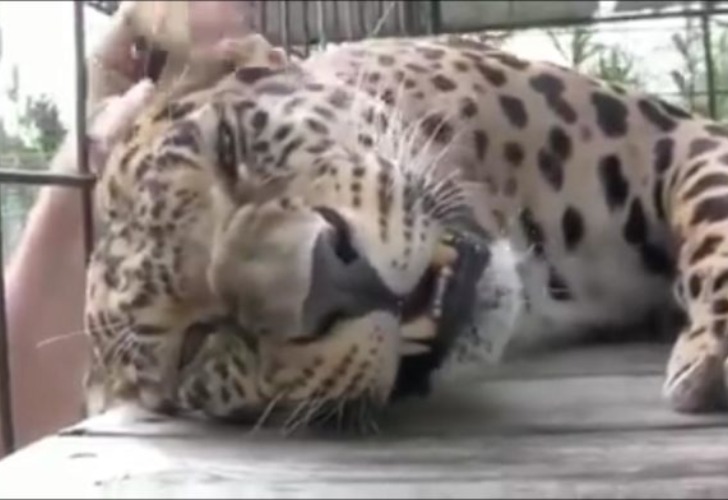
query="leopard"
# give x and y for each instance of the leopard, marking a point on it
(282, 236)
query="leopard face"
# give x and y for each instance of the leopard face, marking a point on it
(263, 241)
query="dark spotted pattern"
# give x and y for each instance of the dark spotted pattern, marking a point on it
(480, 140)
(572, 227)
(251, 75)
(513, 153)
(720, 281)
(614, 185)
(717, 130)
(438, 127)
(551, 168)
(560, 143)
(514, 110)
(675, 111)
(492, 75)
(557, 287)
(552, 89)
(443, 83)
(635, 227)
(657, 199)
(510, 60)
(706, 248)
(468, 108)
(713, 209)
(227, 160)
(533, 232)
(611, 114)
(656, 116)
(701, 146)
(664, 151)
(708, 181)
(695, 286)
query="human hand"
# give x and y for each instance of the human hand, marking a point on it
(179, 27)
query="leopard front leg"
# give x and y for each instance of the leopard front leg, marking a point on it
(697, 372)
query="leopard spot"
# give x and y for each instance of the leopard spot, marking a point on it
(560, 143)
(276, 88)
(655, 115)
(551, 169)
(695, 286)
(443, 83)
(494, 76)
(252, 74)
(701, 146)
(611, 114)
(557, 287)
(572, 227)
(552, 88)
(635, 228)
(514, 110)
(664, 151)
(513, 153)
(614, 185)
(510, 60)
(657, 199)
(532, 231)
(709, 181)
(717, 130)
(430, 53)
(259, 120)
(481, 143)
(468, 108)
(707, 247)
(386, 60)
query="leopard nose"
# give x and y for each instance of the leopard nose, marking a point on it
(343, 283)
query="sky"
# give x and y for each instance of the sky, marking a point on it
(38, 36)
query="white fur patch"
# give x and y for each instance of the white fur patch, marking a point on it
(499, 305)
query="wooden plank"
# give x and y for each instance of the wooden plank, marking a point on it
(608, 464)
(574, 389)
(549, 433)
(504, 407)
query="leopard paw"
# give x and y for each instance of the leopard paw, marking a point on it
(697, 384)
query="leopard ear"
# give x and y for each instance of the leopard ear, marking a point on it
(252, 51)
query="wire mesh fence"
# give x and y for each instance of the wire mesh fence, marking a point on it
(696, 32)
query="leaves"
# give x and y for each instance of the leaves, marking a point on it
(585, 54)
(691, 77)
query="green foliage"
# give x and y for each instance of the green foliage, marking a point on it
(38, 133)
(618, 66)
(578, 46)
(691, 77)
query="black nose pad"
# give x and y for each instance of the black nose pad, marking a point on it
(343, 283)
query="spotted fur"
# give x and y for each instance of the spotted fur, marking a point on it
(601, 199)
(260, 235)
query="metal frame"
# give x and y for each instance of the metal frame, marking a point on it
(407, 23)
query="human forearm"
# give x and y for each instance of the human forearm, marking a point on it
(44, 300)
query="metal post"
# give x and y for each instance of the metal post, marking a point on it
(435, 25)
(7, 424)
(285, 27)
(705, 19)
(81, 145)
